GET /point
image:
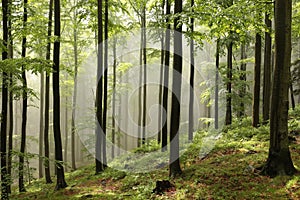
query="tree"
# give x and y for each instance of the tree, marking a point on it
(256, 94)
(61, 183)
(191, 103)
(3, 133)
(47, 96)
(267, 69)
(228, 117)
(99, 92)
(164, 137)
(24, 106)
(279, 160)
(243, 79)
(176, 93)
(217, 84)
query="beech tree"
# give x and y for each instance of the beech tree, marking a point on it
(61, 183)
(279, 160)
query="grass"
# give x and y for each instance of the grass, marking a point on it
(227, 172)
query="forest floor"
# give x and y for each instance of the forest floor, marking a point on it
(227, 172)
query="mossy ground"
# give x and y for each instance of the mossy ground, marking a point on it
(227, 172)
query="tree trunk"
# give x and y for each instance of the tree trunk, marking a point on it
(267, 70)
(243, 79)
(41, 134)
(256, 93)
(24, 108)
(47, 96)
(191, 103)
(162, 55)
(176, 95)
(114, 98)
(145, 74)
(279, 159)
(10, 103)
(61, 183)
(66, 125)
(104, 162)
(228, 119)
(164, 138)
(99, 93)
(217, 84)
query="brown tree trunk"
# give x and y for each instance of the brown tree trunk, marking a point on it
(24, 108)
(191, 103)
(61, 183)
(267, 70)
(279, 159)
(228, 119)
(176, 95)
(243, 79)
(217, 84)
(164, 137)
(47, 96)
(256, 93)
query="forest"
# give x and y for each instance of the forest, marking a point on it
(157, 99)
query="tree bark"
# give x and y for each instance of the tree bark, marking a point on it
(164, 138)
(217, 84)
(243, 79)
(47, 96)
(61, 183)
(176, 95)
(256, 93)
(191, 103)
(41, 134)
(267, 70)
(228, 119)
(99, 93)
(24, 107)
(145, 74)
(279, 160)
(3, 152)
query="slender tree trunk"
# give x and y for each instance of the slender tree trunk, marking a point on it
(140, 91)
(243, 79)
(74, 100)
(162, 55)
(192, 60)
(217, 84)
(10, 103)
(99, 93)
(279, 159)
(61, 183)
(228, 119)
(114, 98)
(176, 95)
(66, 125)
(145, 74)
(267, 70)
(104, 162)
(164, 138)
(47, 96)
(24, 108)
(256, 94)
(41, 134)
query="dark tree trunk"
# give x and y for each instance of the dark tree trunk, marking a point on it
(217, 84)
(66, 124)
(24, 108)
(164, 137)
(191, 103)
(228, 119)
(74, 100)
(162, 56)
(145, 74)
(4, 179)
(176, 94)
(47, 96)
(114, 98)
(267, 70)
(61, 183)
(140, 92)
(243, 79)
(256, 93)
(104, 162)
(99, 93)
(10, 103)
(279, 160)
(41, 133)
